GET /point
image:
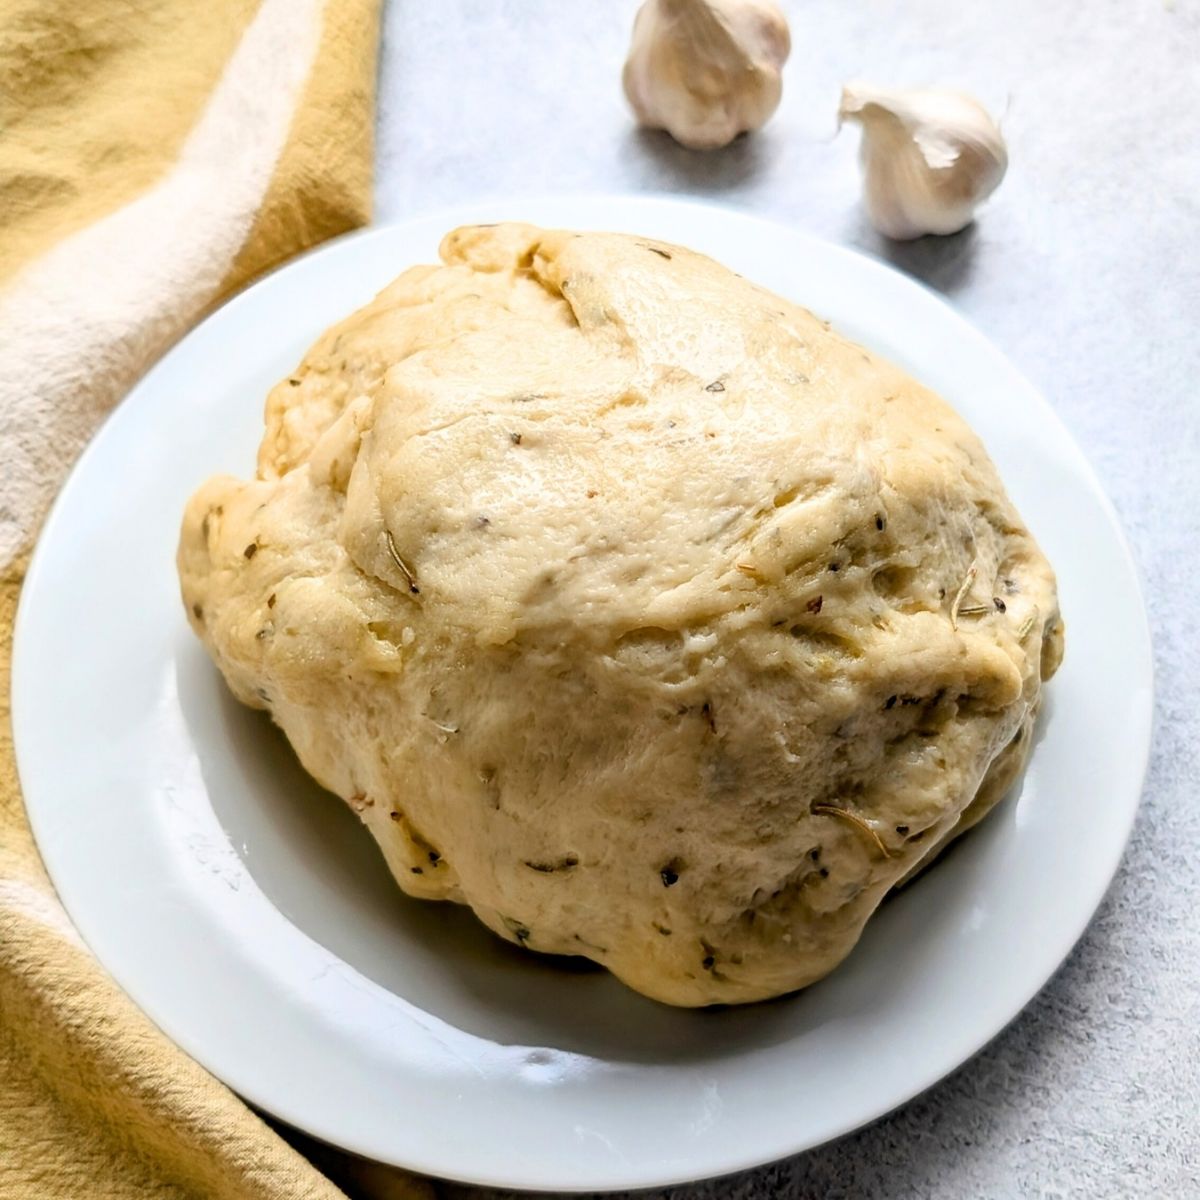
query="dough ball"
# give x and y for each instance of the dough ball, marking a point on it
(630, 605)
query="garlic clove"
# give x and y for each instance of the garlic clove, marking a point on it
(930, 157)
(706, 70)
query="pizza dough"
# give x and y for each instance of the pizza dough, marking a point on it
(629, 604)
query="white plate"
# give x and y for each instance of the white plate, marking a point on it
(250, 916)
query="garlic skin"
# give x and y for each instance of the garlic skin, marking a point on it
(929, 157)
(706, 70)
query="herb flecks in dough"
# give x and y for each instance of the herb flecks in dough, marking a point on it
(401, 565)
(860, 823)
(633, 597)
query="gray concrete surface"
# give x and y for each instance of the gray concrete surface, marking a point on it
(1085, 269)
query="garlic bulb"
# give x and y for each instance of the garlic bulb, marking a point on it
(706, 70)
(929, 157)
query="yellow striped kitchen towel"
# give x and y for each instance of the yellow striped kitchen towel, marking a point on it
(154, 156)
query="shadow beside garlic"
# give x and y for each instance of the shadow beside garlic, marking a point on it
(669, 166)
(942, 262)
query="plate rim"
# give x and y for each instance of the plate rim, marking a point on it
(1066, 939)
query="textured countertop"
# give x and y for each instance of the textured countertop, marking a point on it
(1085, 270)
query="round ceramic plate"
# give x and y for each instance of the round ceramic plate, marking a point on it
(251, 917)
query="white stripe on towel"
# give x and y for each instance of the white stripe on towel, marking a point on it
(81, 323)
